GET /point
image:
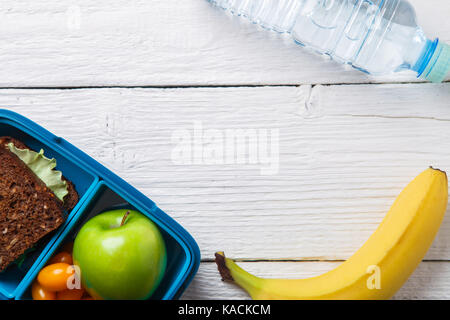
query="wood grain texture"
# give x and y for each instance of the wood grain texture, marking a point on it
(65, 43)
(429, 281)
(345, 152)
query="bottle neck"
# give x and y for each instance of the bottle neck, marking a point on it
(424, 59)
(434, 63)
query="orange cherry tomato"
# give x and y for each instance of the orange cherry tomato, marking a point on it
(67, 247)
(70, 294)
(54, 277)
(39, 293)
(62, 257)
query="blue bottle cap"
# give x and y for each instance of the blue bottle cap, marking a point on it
(438, 65)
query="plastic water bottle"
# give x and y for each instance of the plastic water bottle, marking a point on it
(374, 36)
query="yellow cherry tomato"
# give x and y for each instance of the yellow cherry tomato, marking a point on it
(54, 276)
(39, 293)
(70, 294)
(62, 257)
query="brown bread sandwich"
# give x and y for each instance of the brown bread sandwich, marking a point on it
(33, 198)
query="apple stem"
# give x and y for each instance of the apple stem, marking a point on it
(124, 218)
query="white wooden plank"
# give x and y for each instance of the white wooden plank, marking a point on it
(162, 43)
(345, 152)
(429, 281)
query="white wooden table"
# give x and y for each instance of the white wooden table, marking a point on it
(120, 79)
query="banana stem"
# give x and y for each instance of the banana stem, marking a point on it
(230, 271)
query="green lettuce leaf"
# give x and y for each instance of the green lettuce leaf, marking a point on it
(44, 168)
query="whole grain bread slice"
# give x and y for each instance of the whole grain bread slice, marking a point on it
(28, 209)
(71, 199)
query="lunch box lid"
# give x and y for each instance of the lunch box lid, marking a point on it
(124, 188)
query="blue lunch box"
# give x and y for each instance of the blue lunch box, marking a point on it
(99, 190)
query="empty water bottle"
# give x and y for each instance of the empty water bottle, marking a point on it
(374, 36)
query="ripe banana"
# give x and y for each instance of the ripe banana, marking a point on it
(380, 267)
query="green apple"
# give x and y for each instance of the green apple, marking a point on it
(121, 255)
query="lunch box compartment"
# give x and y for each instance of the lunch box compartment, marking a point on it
(104, 198)
(84, 181)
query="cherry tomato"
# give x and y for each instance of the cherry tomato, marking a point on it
(62, 257)
(67, 247)
(54, 276)
(70, 294)
(39, 293)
